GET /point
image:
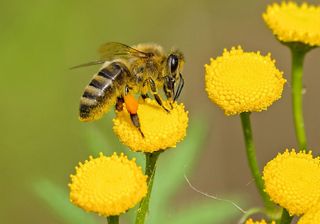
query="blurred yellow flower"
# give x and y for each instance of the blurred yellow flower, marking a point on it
(108, 185)
(161, 129)
(241, 81)
(250, 221)
(292, 180)
(292, 23)
(311, 217)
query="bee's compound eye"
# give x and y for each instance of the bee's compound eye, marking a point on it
(173, 63)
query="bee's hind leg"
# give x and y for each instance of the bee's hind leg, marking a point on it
(132, 108)
(135, 121)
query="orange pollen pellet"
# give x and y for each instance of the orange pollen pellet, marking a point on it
(131, 104)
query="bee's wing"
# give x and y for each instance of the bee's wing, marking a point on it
(112, 50)
(98, 62)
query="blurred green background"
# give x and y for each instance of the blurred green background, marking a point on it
(41, 136)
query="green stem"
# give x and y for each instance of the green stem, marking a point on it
(297, 72)
(113, 219)
(298, 52)
(252, 160)
(285, 217)
(151, 160)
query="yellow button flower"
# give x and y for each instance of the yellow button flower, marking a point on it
(292, 180)
(162, 130)
(250, 221)
(108, 185)
(241, 81)
(292, 23)
(311, 217)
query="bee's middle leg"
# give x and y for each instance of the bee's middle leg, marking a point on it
(119, 103)
(144, 91)
(144, 96)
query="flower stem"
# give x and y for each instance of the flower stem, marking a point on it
(151, 160)
(285, 217)
(113, 219)
(298, 52)
(297, 72)
(252, 160)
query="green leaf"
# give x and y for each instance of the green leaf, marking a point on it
(180, 160)
(103, 141)
(58, 200)
(111, 139)
(96, 141)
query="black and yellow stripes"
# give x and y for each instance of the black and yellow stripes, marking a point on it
(101, 92)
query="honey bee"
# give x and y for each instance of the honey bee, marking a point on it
(140, 69)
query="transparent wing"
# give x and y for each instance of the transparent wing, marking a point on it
(98, 62)
(113, 50)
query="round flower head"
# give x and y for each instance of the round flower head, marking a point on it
(311, 217)
(292, 180)
(241, 81)
(161, 129)
(108, 185)
(250, 221)
(292, 23)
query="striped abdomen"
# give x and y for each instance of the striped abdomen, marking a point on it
(102, 91)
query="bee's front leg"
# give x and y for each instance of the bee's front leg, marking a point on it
(155, 94)
(179, 88)
(168, 89)
(169, 95)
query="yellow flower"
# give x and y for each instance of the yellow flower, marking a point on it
(108, 185)
(292, 180)
(162, 130)
(292, 23)
(311, 217)
(250, 221)
(241, 81)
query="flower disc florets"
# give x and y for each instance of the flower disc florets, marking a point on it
(241, 81)
(311, 217)
(292, 180)
(108, 185)
(161, 129)
(292, 23)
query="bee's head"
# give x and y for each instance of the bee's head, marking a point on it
(175, 64)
